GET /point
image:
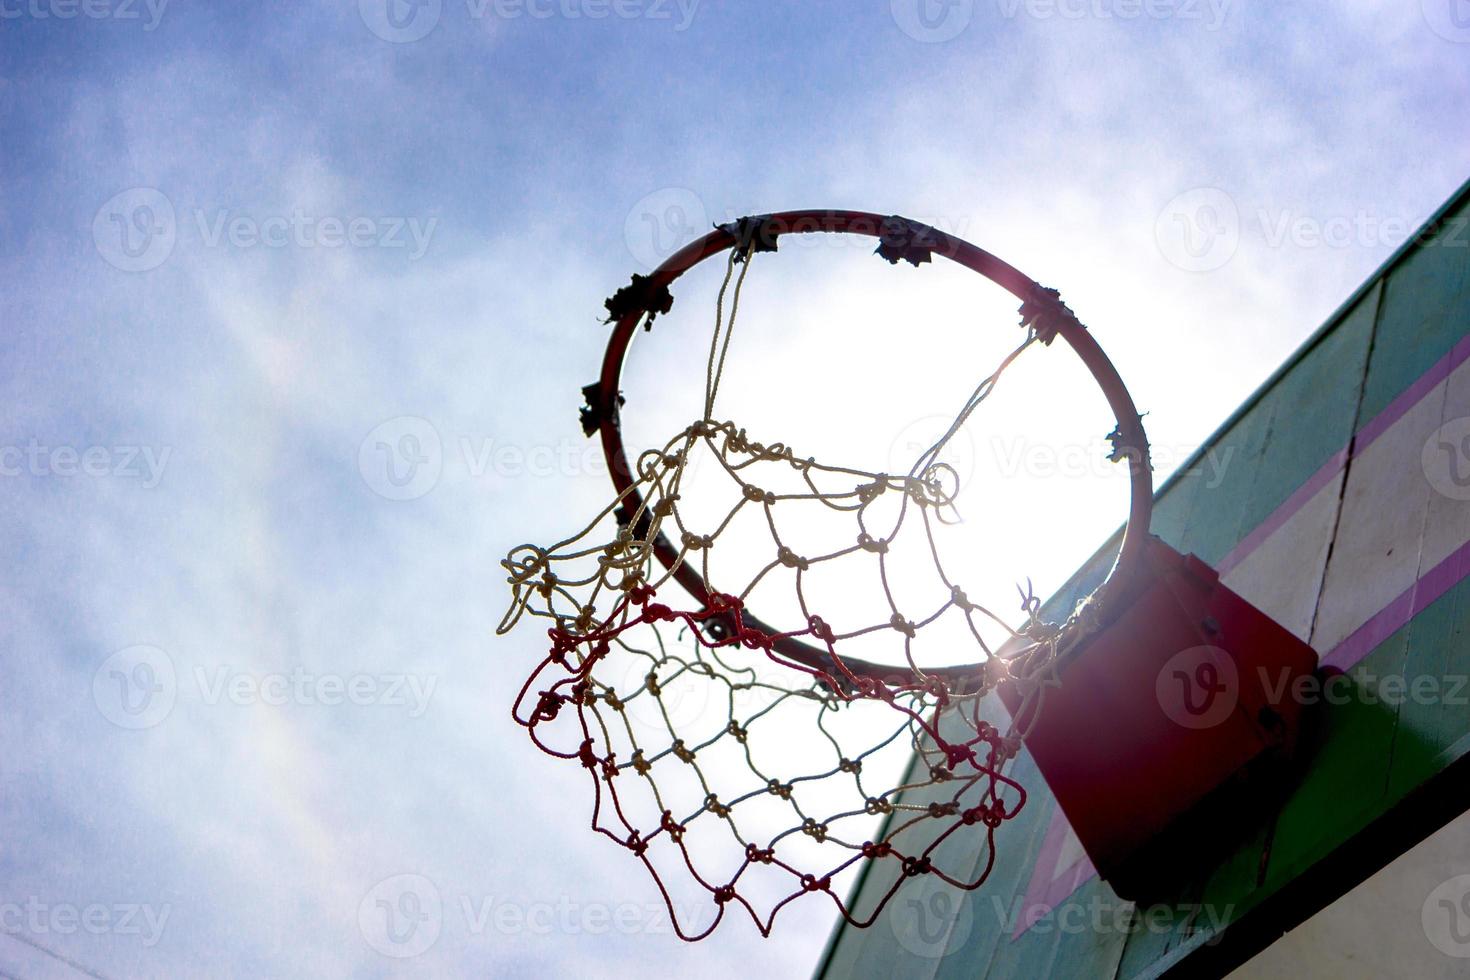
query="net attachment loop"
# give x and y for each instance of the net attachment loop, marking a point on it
(644, 295)
(753, 234)
(598, 409)
(1046, 314)
(909, 241)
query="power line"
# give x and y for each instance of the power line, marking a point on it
(54, 955)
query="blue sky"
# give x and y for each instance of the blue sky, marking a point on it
(193, 486)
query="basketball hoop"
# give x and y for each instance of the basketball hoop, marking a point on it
(691, 789)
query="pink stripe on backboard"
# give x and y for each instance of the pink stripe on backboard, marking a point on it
(1370, 432)
(1044, 894)
(1314, 485)
(1414, 394)
(1050, 885)
(1405, 606)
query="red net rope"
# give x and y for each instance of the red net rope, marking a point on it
(715, 760)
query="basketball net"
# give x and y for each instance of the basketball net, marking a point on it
(727, 768)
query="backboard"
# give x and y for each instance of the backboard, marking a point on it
(1337, 500)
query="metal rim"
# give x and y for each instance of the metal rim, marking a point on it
(1129, 438)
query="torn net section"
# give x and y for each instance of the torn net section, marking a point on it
(716, 754)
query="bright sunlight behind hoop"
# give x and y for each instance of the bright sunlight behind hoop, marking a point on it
(842, 357)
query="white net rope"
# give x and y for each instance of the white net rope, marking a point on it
(741, 756)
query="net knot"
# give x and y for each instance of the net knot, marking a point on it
(547, 706)
(937, 810)
(820, 629)
(695, 542)
(811, 883)
(791, 559)
(756, 495)
(754, 639)
(876, 850)
(868, 543)
(777, 788)
(713, 805)
(997, 672)
(874, 806)
(759, 856)
(636, 844)
(640, 763)
(958, 597)
(902, 625)
(561, 644)
(586, 755)
(682, 752)
(736, 731)
(913, 867)
(720, 602)
(815, 830)
(724, 893)
(657, 612)
(640, 593)
(850, 766)
(674, 829)
(956, 754)
(665, 506)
